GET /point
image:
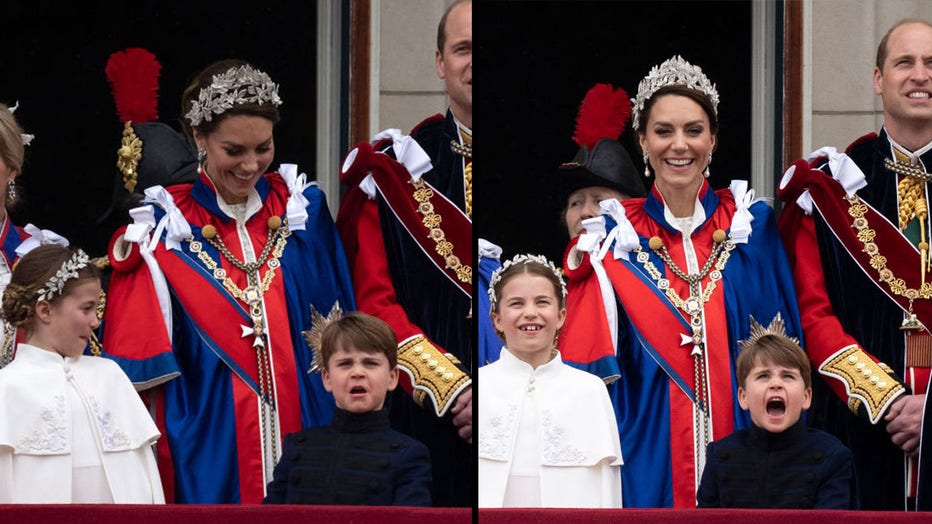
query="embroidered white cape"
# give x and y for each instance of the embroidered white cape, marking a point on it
(36, 429)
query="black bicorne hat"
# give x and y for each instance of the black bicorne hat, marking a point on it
(601, 159)
(608, 164)
(151, 152)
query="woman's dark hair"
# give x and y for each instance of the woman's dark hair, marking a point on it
(680, 90)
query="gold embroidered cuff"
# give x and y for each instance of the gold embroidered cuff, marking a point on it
(868, 383)
(434, 374)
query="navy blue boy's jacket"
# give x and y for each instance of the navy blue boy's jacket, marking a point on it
(357, 460)
(798, 468)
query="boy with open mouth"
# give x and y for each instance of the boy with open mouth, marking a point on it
(778, 462)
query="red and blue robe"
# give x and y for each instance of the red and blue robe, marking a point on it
(654, 392)
(203, 370)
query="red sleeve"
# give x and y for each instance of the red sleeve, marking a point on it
(134, 332)
(834, 353)
(824, 334)
(375, 293)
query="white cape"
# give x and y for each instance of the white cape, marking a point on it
(36, 429)
(580, 448)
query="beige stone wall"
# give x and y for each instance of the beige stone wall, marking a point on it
(844, 36)
(408, 88)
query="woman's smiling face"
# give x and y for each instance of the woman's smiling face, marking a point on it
(239, 151)
(678, 141)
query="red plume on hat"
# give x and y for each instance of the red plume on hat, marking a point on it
(134, 80)
(603, 113)
(601, 159)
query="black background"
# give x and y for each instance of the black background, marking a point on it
(534, 63)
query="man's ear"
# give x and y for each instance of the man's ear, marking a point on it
(438, 64)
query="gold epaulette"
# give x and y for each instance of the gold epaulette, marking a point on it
(868, 383)
(434, 374)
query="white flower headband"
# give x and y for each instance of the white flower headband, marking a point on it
(523, 259)
(237, 85)
(68, 270)
(674, 71)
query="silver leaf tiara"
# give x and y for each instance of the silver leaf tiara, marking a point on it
(523, 259)
(674, 71)
(68, 270)
(237, 85)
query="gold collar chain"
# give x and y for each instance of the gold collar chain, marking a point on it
(252, 294)
(431, 220)
(461, 149)
(465, 149)
(692, 306)
(906, 169)
(7, 346)
(866, 235)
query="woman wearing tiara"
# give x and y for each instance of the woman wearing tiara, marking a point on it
(212, 286)
(689, 266)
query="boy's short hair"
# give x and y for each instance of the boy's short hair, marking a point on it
(776, 349)
(359, 331)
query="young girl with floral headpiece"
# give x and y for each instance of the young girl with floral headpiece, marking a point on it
(547, 433)
(72, 427)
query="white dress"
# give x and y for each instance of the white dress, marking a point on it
(547, 437)
(74, 430)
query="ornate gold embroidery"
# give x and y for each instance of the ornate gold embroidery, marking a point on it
(693, 306)
(431, 220)
(433, 373)
(897, 285)
(128, 156)
(865, 380)
(465, 149)
(252, 294)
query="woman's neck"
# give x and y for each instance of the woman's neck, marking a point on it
(680, 200)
